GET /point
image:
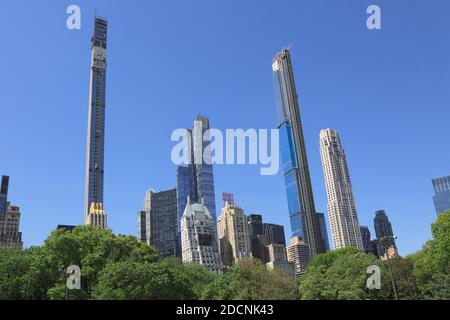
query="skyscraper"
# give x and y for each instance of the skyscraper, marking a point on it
(257, 238)
(323, 232)
(4, 195)
(298, 254)
(96, 120)
(10, 236)
(383, 229)
(441, 198)
(196, 180)
(341, 204)
(274, 234)
(302, 211)
(277, 259)
(365, 238)
(232, 231)
(157, 224)
(198, 237)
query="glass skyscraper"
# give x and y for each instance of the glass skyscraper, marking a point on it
(157, 224)
(441, 198)
(96, 118)
(365, 237)
(195, 181)
(383, 228)
(323, 232)
(4, 195)
(302, 211)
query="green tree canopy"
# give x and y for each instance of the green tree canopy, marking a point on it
(248, 279)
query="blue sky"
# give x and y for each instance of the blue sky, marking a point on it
(386, 92)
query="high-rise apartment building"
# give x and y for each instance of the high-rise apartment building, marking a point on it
(302, 211)
(232, 231)
(198, 237)
(383, 232)
(365, 238)
(441, 198)
(196, 180)
(298, 254)
(96, 120)
(158, 223)
(341, 204)
(10, 236)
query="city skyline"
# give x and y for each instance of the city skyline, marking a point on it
(27, 175)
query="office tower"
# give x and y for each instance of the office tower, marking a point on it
(158, 223)
(196, 180)
(277, 259)
(383, 232)
(96, 217)
(257, 238)
(198, 237)
(298, 254)
(232, 231)
(4, 195)
(10, 236)
(302, 211)
(96, 119)
(441, 198)
(341, 204)
(274, 234)
(323, 232)
(365, 238)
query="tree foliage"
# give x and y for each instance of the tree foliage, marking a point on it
(248, 279)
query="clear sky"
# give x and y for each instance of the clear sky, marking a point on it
(386, 92)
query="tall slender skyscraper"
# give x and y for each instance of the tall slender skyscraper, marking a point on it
(441, 198)
(196, 180)
(96, 120)
(341, 204)
(302, 211)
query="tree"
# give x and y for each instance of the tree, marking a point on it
(432, 263)
(89, 248)
(142, 280)
(14, 265)
(341, 274)
(248, 279)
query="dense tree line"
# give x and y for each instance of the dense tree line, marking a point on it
(120, 267)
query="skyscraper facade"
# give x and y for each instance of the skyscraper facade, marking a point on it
(274, 234)
(323, 232)
(341, 204)
(97, 216)
(4, 195)
(441, 198)
(196, 180)
(384, 232)
(257, 238)
(298, 254)
(96, 119)
(365, 238)
(277, 259)
(157, 224)
(10, 236)
(302, 211)
(198, 237)
(232, 232)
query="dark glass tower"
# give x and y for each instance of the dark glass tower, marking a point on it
(365, 237)
(4, 195)
(196, 180)
(383, 228)
(441, 198)
(96, 120)
(302, 211)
